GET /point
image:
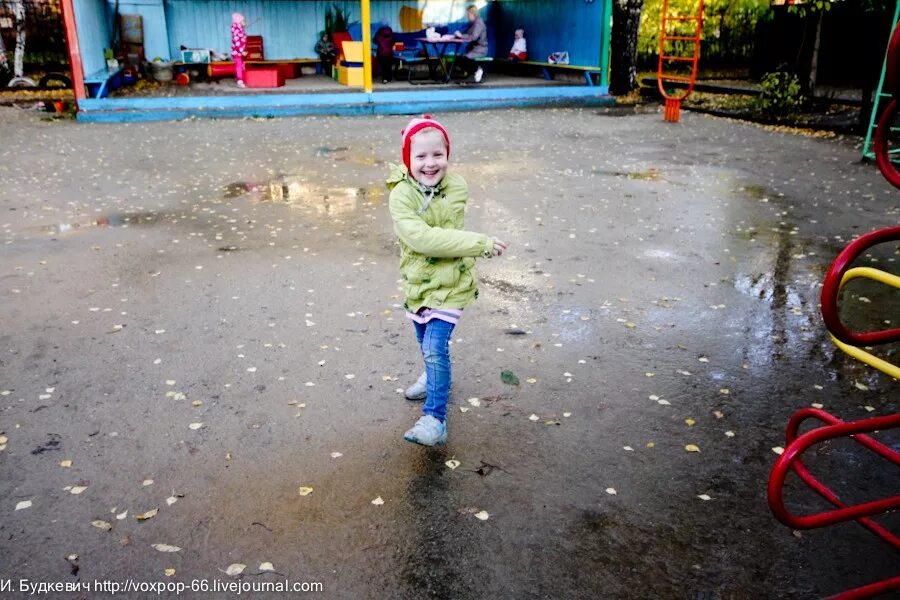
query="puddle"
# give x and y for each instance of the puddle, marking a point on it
(326, 150)
(112, 220)
(648, 175)
(297, 192)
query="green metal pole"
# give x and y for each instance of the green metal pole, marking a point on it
(867, 144)
(605, 42)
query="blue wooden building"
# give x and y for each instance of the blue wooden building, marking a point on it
(289, 29)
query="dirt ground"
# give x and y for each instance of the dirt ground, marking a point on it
(204, 317)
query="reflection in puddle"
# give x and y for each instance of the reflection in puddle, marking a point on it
(297, 192)
(659, 253)
(648, 175)
(326, 150)
(113, 220)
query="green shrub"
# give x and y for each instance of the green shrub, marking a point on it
(779, 94)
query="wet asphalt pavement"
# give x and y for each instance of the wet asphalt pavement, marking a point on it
(209, 312)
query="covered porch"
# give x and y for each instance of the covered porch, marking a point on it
(289, 30)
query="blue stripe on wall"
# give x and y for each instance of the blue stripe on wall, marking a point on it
(160, 109)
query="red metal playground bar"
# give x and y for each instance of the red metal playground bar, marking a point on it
(790, 460)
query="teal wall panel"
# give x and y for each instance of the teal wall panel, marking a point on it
(153, 18)
(289, 27)
(94, 33)
(573, 26)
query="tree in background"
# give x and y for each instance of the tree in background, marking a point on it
(728, 27)
(626, 23)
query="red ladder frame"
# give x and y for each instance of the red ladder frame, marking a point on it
(673, 102)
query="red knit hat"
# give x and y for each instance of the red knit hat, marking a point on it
(414, 127)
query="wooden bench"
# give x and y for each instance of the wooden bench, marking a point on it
(210, 66)
(547, 69)
(100, 81)
(293, 61)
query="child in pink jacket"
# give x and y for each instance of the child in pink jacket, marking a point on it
(238, 46)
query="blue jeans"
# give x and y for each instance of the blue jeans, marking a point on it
(434, 340)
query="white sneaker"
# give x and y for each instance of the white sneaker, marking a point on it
(427, 431)
(241, 84)
(478, 75)
(417, 391)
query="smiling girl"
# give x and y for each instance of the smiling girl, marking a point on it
(437, 262)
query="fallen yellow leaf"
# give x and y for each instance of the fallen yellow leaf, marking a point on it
(147, 515)
(692, 448)
(305, 491)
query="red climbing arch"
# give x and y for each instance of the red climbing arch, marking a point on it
(679, 47)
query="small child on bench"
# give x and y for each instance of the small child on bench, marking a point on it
(519, 50)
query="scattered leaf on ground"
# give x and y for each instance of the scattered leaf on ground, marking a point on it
(452, 463)
(65, 463)
(378, 501)
(104, 525)
(235, 569)
(305, 491)
(704, 497)
(690, 422)
(482, 515)
(169, 572)
(509, 378)
(166, 548)
(147, 515)
(534, 417)
(692, 448)
(23, 504)
(611, 491)
(266, 566)
(778, 450)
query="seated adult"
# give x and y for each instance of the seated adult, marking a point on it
(476, 35)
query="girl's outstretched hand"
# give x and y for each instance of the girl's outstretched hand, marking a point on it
(499, 247)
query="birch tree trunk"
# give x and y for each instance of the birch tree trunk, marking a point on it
(18, 67)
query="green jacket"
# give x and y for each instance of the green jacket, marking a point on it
(436, 256)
